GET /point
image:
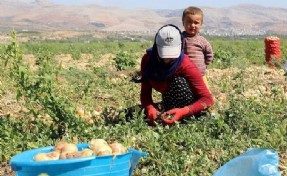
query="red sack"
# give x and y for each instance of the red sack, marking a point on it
(272, 50)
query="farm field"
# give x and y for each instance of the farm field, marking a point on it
(43, 86)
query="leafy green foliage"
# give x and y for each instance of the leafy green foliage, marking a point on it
(197, 147)
(39, 87)
(124, 60)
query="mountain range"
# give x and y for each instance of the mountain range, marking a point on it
(43, 15)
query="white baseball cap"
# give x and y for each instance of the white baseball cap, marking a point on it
(168, 41)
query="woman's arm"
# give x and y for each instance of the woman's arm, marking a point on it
(146, 88)
(202, 94)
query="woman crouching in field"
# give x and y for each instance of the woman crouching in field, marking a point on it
(166, 69)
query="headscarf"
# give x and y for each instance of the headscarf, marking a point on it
(156, 69)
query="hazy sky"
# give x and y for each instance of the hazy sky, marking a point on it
(172, 4)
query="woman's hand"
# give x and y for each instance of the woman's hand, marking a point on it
(176, 114)
(152, 114)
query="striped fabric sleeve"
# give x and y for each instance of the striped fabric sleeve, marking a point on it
(208, 55)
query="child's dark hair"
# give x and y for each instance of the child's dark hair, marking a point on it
(192, 11)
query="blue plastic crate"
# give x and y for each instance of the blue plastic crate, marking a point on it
(111, 165)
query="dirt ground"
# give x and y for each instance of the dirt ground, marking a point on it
(5, 170)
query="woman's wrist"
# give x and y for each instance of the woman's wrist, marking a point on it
(149, 107)
(188, 110)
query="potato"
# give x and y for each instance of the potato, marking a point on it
(80, 112)
(59, 146)
(96, 143)
(69, 148)
(77, 154)
(47, 156)
(86, 152)
(117, 148)
(41, 157)
(102, 150)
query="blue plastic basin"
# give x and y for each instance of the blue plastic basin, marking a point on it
(111, 165)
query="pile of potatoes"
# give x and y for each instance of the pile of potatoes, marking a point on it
(97, 147)
(272, 38)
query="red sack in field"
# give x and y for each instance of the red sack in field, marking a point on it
(272, 50)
